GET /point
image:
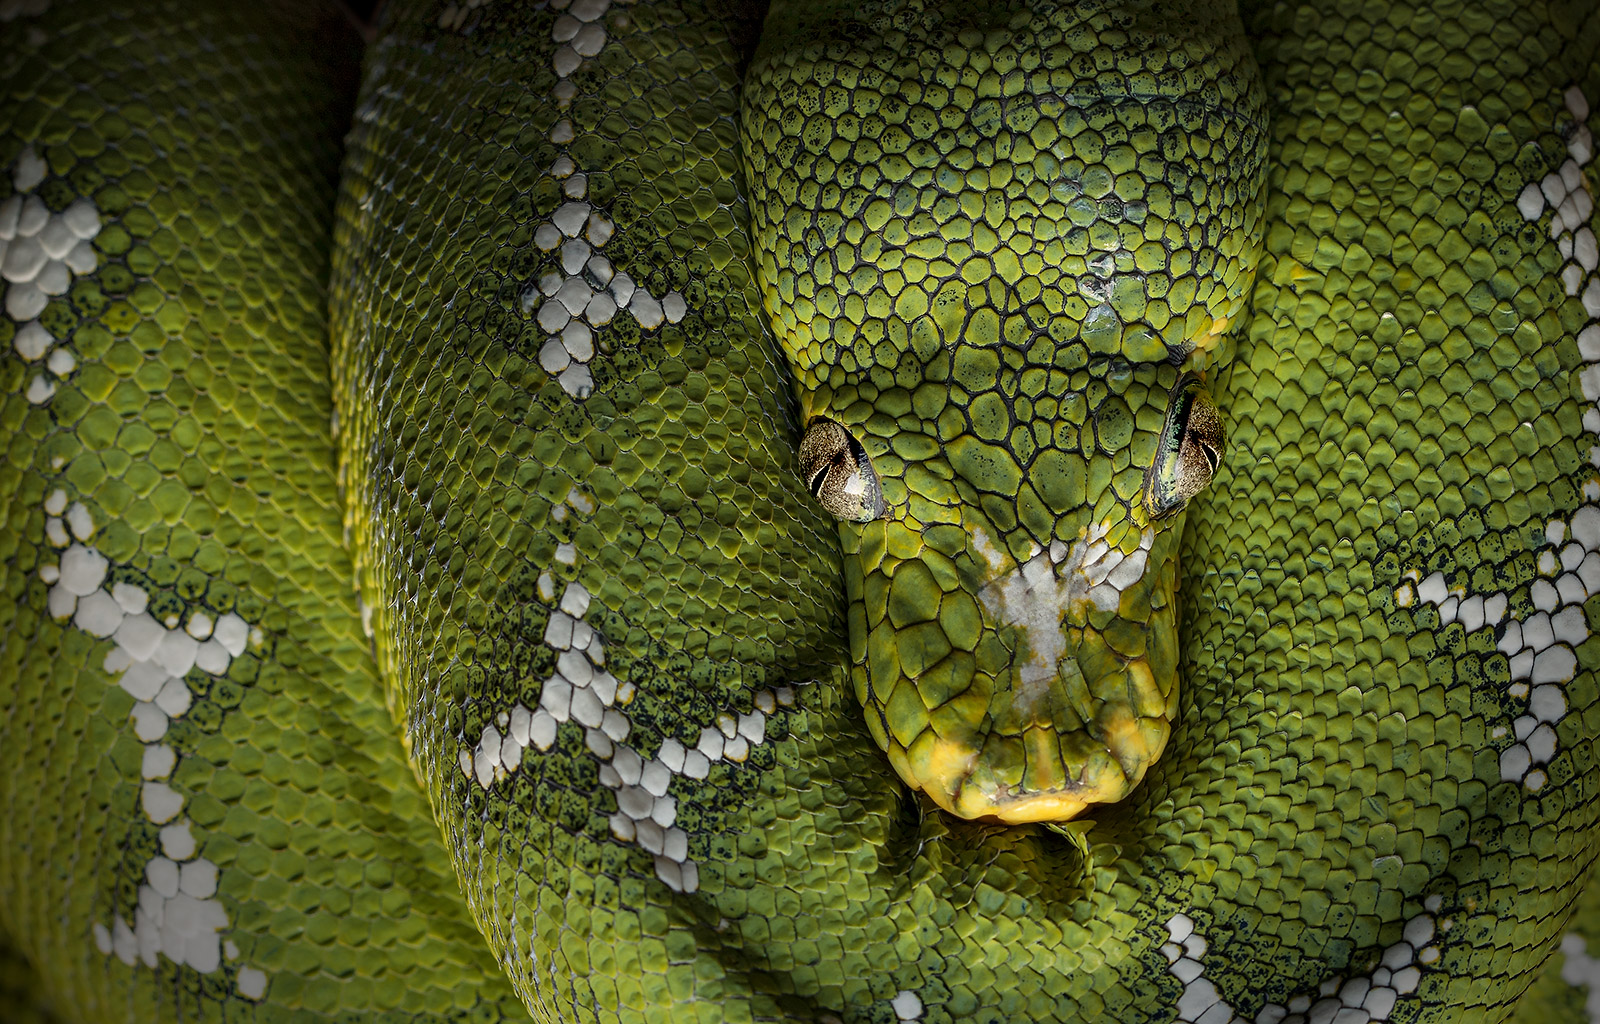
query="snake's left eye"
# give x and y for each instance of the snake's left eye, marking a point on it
(1189, 452)
(838, 472)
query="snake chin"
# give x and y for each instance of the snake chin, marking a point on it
(1023, 689)
(969, 787)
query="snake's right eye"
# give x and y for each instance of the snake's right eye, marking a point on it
(839, 474)
(1189, 452)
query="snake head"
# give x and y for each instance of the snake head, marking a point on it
(1010, 566)
(996, 291)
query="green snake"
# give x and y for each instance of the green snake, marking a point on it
(892, 511)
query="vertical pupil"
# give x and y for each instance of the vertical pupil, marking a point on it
(815, 483)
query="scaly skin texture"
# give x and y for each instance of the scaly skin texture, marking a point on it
(610, 625)
(1569, 983)
(991, 237)
(183, 463)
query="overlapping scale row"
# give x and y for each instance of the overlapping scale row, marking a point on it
(1395, 708)
(1567, 988)
(593, 576)
(207, 815)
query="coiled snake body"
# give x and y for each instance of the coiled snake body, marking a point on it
(623, 304)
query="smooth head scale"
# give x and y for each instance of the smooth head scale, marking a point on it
(1001, 251)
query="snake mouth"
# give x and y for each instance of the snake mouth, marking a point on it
(1054, 767)
(1051, 769)
(1063, 702)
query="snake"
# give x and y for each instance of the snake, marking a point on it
(840, 512)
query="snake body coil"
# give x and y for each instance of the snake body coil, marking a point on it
(601, 273)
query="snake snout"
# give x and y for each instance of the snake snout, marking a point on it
(1018, 690)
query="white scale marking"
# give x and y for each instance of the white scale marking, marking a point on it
(907, 1005)
(1542, 648)
(1579, 969)
(1565, 192)
(1361, 999)
(581, 690)
(1033, 597)
(586, 291)
(178, 914)
(40, 253)
(584, 294)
